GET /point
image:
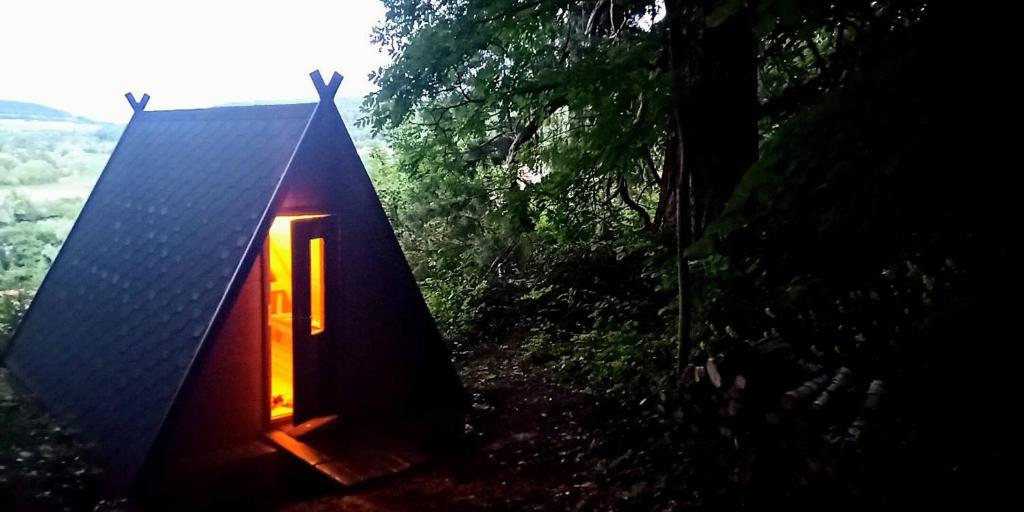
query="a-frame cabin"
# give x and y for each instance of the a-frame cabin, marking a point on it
(233, 282)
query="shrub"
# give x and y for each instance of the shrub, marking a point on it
(32, 172)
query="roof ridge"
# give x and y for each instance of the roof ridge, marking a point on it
(224, 107)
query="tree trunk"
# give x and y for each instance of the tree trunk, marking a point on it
(726, 104)
(714, 137)
(683, 60)
(665, 214)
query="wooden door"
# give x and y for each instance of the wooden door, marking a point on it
(314, 257)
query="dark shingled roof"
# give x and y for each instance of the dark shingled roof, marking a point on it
(187, 189)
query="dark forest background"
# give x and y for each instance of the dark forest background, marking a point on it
(775, 223)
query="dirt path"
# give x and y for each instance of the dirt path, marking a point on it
(527, 439)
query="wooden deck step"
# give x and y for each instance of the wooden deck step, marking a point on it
(232, 455)
(349, 456)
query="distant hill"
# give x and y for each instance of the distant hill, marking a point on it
(21, 110)
(348, 106)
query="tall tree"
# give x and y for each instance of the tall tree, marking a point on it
(715, 115)
(580, 115)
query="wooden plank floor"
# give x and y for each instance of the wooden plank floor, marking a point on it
(347, 455)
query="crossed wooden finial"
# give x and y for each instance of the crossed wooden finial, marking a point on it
(137, 106)
(326, 91)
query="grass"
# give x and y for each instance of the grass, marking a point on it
(41, 464)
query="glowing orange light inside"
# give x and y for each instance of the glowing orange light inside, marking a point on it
(279, 309)
(316, 285)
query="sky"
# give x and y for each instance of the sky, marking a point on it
(83, 56)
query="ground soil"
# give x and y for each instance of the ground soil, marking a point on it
(531, 443)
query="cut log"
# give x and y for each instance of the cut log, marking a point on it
(713, 374)
(868, 413)
(794, 397)
(688, 376)
(840, 381)
(874, 396)
(733, 408)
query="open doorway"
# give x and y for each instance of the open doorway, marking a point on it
(301, 286)
(283, 309)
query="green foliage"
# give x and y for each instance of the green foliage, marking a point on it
(843, 240)
(627, 360)
(522, 106)
(514, 127)
(591, 301)
(13, 304)
(30, 236)
(595, 312)
(350, 110)
(46, 170)
(28, 247)
(508, 159)
(32, 172)
(7, 162)
(42, 152)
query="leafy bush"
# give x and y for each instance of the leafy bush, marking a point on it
(13, 304)
(33, 172)
(625, 360)
(843, 237)
(30, 237)
(7, 162)
(841, 241)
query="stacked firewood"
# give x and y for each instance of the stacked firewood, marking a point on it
(779, 435)
(825, 388)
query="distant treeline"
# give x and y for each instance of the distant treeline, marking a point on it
(46, 170)
(42, 155)
(350, 109)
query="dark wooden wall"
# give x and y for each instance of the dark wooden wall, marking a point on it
(388, 359)
(225, 406)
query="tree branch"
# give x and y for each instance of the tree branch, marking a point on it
(530, 130)
(514, 10)
(645, 218)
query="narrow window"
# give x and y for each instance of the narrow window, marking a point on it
(316, 285)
